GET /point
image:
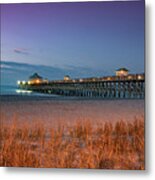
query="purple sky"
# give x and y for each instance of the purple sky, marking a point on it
(100, 35)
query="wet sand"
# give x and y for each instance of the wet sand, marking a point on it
(53, 110)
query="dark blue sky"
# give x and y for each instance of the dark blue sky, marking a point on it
(99, 35)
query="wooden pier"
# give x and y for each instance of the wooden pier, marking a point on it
(130, 86)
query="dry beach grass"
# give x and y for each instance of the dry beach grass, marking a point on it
(81, 145)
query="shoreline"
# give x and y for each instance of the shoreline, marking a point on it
(20, 97)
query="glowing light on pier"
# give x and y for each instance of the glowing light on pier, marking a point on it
(109, 78)
(23, 82)
(18, 82)
(67, 78)
(140, 77)
(129, 77)
(38, 81)
(94, 79)
(29, 82)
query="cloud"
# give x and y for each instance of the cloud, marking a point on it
(21, 51)
(22, 71)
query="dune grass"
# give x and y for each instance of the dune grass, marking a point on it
(81, 145)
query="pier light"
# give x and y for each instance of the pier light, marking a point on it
(18, 82)
(67, 78)
(129, 77)
(81, 80)
(108, 78)
(29, 82)
(94, 79)
(23, 82)
(37, 81)
(140, 77)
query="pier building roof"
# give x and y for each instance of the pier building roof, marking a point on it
(35, 76)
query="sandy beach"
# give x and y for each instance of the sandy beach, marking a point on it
(72, 133)
(53, 110)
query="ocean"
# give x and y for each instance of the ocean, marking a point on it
(15, 91)
(8, 90)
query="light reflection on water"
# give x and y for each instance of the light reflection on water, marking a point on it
(20, 91)
(14, 90)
